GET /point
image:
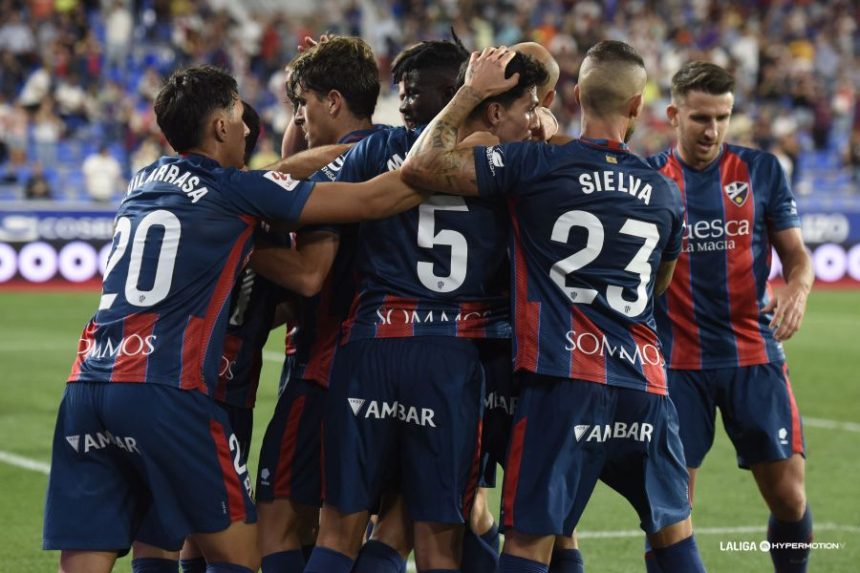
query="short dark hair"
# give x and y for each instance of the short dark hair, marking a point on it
(532, 74)
(252, 119)
(343, 63)
(614, 51)
(447, 55)
(704, 77)
(188, 98)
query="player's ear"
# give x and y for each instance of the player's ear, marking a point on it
(672, 114)
(335, 102)
(636, 104)
(219, 127)
(548, 99)
(576, 95)
(493, 114)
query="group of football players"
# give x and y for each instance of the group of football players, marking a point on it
(469, 290)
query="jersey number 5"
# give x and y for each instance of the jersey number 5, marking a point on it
(639, 265)
(429, 238)
(163, 267)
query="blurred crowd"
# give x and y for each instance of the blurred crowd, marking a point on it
(78, 77)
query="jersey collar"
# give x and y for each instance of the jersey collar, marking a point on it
(359, 134)
(200, 159)
(605, 143)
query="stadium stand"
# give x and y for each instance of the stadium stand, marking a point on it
(95, 65)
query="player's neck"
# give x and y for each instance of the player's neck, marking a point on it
(599, 128)
(207, 151)
(348, 124)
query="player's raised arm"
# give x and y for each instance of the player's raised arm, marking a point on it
(305, 163)
(435, 161)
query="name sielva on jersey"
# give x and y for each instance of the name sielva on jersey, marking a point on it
(172, 175)
(615, 181)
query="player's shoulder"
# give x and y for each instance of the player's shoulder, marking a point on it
(658, 160)
(362, 134)
(384, 139)
(751, 155)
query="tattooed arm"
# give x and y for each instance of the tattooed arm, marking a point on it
(435, 161)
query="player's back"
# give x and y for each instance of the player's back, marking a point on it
(182, 234)
(439, 269)
(591, 224)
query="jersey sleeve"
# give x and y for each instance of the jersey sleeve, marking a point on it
(267, 194)
(781, 208)
(501, 169)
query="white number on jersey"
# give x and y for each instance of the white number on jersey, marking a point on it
(593, 246)
(164, 266)
(428, 238)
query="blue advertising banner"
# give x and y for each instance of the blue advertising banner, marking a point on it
(54, 245)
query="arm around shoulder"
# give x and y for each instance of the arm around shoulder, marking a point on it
(383, 196)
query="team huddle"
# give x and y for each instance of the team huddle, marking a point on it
(470, 290)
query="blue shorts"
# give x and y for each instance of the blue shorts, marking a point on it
(242, 423)
(407, 410)
(757, 407)
(290, 458)
(124, 452)
(567, 434)
(500, 401)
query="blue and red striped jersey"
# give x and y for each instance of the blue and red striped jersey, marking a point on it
(711, 315)
(591, 224)
(321, 316)
(439, 269)
(252, 308)
(183, 234)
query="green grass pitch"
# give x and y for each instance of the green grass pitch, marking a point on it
(39, 338)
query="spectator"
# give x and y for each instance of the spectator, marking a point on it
(102, 173)
(37, 186)
(47, 129)
(36, 87)
(147, 153)
(14, 132)
(150, 84)
(72, 102)
(17, 37)
(118, 34)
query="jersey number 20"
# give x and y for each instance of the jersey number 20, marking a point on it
(164, 265)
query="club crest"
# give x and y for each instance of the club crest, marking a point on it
(738, 191)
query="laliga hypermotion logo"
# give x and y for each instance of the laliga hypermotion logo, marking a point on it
(738, 191)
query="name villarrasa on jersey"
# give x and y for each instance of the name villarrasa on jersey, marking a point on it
(615, 181)
(172, 175)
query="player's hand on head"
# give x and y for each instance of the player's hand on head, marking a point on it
(307, 42)
(486, 71)
(788, 307)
